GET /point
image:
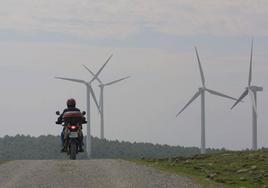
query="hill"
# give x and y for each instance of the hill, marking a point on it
(48, 147)
(246, 169)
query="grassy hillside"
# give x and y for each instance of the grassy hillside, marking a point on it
(228, 169)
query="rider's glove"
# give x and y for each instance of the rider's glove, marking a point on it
(57, 122)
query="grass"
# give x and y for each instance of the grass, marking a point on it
(228, 169)
(3, 161)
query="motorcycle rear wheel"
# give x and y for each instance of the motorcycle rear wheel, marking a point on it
(73, 151)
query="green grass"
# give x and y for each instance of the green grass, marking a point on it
(3, 161)
(229, 169)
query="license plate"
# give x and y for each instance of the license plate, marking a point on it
(73, 135)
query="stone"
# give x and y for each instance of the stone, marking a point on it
(212, 175)
(253, 167)
(242, 170)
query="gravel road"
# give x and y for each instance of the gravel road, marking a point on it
(86, 174)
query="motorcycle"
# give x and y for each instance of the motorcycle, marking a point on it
(73, 135)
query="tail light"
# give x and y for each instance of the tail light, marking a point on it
(72, 127)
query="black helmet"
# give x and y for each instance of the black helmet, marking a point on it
(71, 103)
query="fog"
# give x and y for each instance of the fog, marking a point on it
(160, 60)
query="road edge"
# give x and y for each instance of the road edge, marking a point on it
(195, 179)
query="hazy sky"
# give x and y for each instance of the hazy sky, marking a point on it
(153, 42)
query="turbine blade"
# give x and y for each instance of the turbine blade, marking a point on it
(71, 79)
(240, 98)
(190, 101)
(250, 66)
(219, 94)
(251, 94)
(94, 97)
(113, 82)
(200, 68)
(97, 74)
(92, 73)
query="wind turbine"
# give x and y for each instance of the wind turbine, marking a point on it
(201, 91)
(252, 91)
(89, 91)
(102, 85)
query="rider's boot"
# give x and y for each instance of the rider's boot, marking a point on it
(80, 148)
(81, 143)
(62, 149)
(64, 146)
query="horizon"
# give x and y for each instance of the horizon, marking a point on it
(134, 142)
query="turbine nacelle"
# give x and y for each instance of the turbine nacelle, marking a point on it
(202, 89)
(255, 88)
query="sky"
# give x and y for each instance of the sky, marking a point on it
(153, 42)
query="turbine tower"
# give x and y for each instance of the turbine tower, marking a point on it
(89, 91)
(252, 91)
(201, 91)
(101, 102)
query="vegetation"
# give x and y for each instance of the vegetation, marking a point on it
(48, 147)
(1, 162)
(229, 169)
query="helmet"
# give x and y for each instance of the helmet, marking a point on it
(71, 102)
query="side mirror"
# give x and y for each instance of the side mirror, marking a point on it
(58, 113)
(84, 113)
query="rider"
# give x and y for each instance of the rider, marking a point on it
(71, 106)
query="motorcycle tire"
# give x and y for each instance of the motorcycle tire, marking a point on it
(73, 151)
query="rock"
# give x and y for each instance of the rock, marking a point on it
(253, 167)
(211, 176)
(242, 170)
(242, 179)
(187, 161)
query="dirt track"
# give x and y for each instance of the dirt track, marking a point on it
(86, 174)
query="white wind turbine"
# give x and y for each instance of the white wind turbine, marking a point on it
(89, 91)
(252, 91)
(201, 91)
(102, 85)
